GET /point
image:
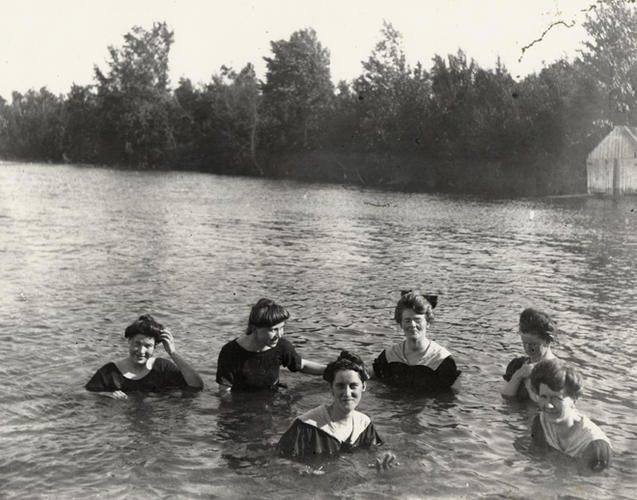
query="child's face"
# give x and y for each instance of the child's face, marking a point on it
(556, 405)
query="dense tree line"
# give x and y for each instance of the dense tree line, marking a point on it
(454, 126)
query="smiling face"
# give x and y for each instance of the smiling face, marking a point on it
(347, 390)
(414, 325)
(534, 346)
(268, 336)
(556, 405)
(141, 348)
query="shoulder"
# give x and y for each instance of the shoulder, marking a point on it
(231, 350)
(163, 364)
(597, 454)
(442, 350)
(361, 420)
(109, 368)
(395, 353)
(233, 345)
(285, 345)
(315, 417)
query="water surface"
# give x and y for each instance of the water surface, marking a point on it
(84, 251)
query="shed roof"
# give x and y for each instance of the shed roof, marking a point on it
(621, 142)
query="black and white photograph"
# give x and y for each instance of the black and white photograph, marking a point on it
(291, 249)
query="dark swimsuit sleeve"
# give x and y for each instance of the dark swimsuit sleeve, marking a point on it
(446, 374)
(225, 365)
(305, 441)
(289, 357)
(369, 437)
(169, 373)
(381, 367)
(102, 380)
(597, 455)
(513, 367)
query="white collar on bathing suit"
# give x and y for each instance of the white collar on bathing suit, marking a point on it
(582, 434)
(319, 417)
(433, 356)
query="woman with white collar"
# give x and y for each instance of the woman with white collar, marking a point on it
(559, 425)
(336, 427)
(416, 362)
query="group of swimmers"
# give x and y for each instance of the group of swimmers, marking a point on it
(252, 363)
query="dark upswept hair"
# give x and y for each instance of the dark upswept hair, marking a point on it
(419, 303)
(144, 325)
(557, 375)
(266, 313)
(345, 361)
(538, 323)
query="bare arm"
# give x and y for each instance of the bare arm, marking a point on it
(191, 377)
(312, 367)
(510, 388)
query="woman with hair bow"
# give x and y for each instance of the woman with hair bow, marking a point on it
(416, 362)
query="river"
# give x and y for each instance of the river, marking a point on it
(84, 251)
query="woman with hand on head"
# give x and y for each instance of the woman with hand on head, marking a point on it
(336, 427)
(252, 362)
(416, 362)
(141, 370)
(559, 424)
(537, 332)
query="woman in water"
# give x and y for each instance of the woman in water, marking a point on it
(537, 331)
(559, 424)
(141, 370)
(416, 362)
(252, 361)
(333, 428)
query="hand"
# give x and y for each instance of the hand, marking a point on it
(117, 395)
(168, 341)
(386, 462)
(524, 371)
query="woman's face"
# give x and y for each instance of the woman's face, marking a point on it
(141, 348)
(414, 325)
(347, 390)
(269, 335)
(557, 406)
(534, 346)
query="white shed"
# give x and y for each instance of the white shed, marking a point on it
(611, 168)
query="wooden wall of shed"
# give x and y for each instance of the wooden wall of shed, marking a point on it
(628, 176)
(601, 176)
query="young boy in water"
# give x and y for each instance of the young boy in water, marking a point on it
(559, 424)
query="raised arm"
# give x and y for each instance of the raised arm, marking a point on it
(511, 387)
(191, 377)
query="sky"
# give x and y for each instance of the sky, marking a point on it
(56, 43)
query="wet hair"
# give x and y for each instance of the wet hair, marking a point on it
(557, 375)
(144, 325)
(266, 313)
(345, 361)
(419, 303)
(538, 323)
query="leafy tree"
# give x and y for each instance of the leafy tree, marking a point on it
(134, 102)
(297, 93)
(33, 126)
(80, 125)
(391, 97)
(611, 57)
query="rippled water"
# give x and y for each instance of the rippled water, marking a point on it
(84, 251)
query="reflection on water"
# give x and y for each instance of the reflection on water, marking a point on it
(84, 251)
